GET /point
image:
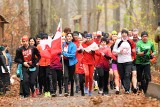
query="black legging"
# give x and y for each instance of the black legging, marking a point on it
(57, 76)
(45, 78)
(69, 74)
(125, 70)
(103, 76)
(81, 82)
(28, 81)
(144, 75)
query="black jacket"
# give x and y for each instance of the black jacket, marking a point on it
(3, 62)
(35, 56)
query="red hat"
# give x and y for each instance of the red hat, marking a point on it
(25, 38)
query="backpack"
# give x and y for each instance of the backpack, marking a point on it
(119, 44)
(132, 45)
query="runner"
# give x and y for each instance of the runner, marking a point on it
(28, 56)
(102, 66)
(69, 53)
(124, 48)
(144, 47)
(88, 61)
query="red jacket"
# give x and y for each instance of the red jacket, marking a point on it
(55, 62)
(79, 65)
(88, 58)
(133, 47)
(101, 61)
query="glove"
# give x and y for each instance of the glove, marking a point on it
(92, 51)
(18, 75)
(80, 51)
(107, 57)
(151, 57)
(145, 51)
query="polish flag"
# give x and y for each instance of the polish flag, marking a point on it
(56, 45)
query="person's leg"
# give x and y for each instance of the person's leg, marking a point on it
(121, 72)
(71, 78)
(7, 79)
(127, 76)
(134, 77)
(45, 80)
(36, 84)
(91, 70)
(106, 77)
(100, 79)
(111, 78)
(21, 89)
(147, 77)
(49, 81)
(32, 78)
(139, 75)
(95, 80)
(59, 79)
(116, 78)
(41, 77)
(86, 70)
(81, 82)
(54, 82)
(25, 82)
(76, 77)
(66, 76)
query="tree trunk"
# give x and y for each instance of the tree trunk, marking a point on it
(105, 7)
(157, 11)
(89, 14)
(130, 14)
(98, 16)
(35, 16)
(41, 16)
(116, 16)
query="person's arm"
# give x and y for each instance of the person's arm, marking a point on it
(115, 47)
(133, 46)
(18, 57)
(3, 63)
(37, 56)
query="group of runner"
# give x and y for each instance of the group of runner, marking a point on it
(87, 60)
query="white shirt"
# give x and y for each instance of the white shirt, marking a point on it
(125, 49)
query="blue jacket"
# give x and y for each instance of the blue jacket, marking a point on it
(71, 54)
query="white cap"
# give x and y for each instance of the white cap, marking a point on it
(80, 36)
(99, 33)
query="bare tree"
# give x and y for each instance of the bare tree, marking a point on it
(116, 15)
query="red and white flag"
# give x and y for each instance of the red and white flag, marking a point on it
(56, 45)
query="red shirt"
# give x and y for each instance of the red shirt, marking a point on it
(27, 55)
